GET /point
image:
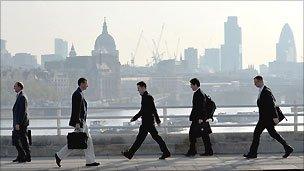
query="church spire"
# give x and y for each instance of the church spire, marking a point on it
(72, 52)
(104, 27)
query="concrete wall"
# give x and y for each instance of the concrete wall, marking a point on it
(223, 143)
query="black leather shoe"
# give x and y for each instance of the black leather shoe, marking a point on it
(16, 160)
(207, 154)
(127, 154)
(165, 155)
(288, 151)
(28, 158)
(93, 164)
(250, 156)
(58, 160)
(189, 154)
(22, 160)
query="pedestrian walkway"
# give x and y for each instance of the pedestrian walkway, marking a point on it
(151, 162)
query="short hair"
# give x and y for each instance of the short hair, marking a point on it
(142, 84)
(195, 81)
(81, 80)
(260, 78)
(20, 84)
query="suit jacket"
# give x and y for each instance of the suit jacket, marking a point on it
(147, 111)
(20, 111)
(266, 106)
(79, 109)
(198, 106)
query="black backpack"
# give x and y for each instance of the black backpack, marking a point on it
(210, 107)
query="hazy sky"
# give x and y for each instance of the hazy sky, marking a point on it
(32, 26)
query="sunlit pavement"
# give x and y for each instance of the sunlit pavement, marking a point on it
(151, 162)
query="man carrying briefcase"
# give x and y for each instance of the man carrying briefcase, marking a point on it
(78, 120)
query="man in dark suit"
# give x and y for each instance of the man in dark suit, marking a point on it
(200, 126)
(20, 124)
(78, 121)
(268, 118)
(147, 113)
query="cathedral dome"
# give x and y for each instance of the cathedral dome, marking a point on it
(105, 43)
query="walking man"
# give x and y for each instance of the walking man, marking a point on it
(199, 118)
(78, 121)
(20, 124)
(147, 113)
(268, 118)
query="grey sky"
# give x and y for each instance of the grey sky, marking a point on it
(32, 26)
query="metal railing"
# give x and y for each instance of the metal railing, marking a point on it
(295, 113)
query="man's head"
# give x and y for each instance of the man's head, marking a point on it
(195, 84)
(18, 86)
(258, 81)
(82, 83)
(141, 87)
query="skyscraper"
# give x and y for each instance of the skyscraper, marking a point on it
(191, 58)
(6, 59)
(61, 48)
(211, 60)
(231, 50)
(285, 48)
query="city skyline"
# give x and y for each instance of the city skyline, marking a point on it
(83, 36)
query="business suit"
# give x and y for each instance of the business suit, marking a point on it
(20, 117)
(78, 116)
(199, 112)
(147, 113)
(267, 112)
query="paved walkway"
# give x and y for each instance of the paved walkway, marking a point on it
(151, 162)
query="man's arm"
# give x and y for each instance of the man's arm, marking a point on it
(200, 107)
(154, 110)
(269, 103)
(76, 105)
(21, 110)
(139, 114)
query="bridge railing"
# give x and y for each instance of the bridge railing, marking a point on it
(295, 108)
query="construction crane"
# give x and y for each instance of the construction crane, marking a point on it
(135, 52)
(177, 46)
(167, 49)
(156, 55)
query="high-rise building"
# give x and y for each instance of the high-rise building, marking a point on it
(211, 60)
(25, 60)
(49, 58)
(263, 69)
(6, 59)
(285, 48)
(61, 48)
(191, 58)
(231, 50)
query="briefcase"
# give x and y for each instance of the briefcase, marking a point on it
(280, 114)
(205, 127)
(77, 140)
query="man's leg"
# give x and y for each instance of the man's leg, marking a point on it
(207, 144)
(21, 152)
(89, 152)
(256, 138)
(25, 145)
(192, 139)
(162, 145)
(18, 145)
(64, 152)
(142, 134)
(274, 134)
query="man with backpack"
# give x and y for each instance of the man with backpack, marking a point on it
(202, 110)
